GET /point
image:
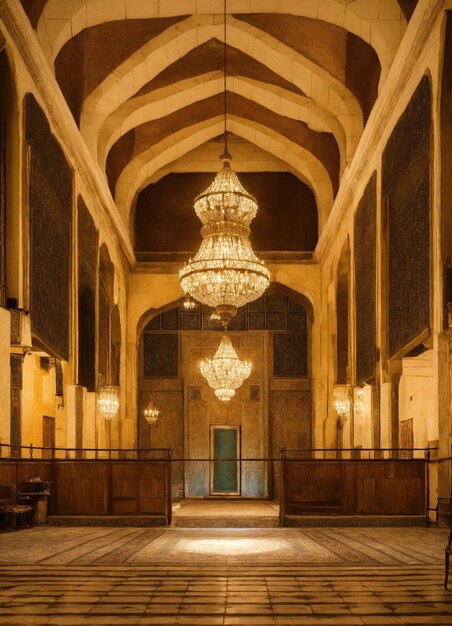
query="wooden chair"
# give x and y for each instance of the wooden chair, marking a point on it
(13, 514)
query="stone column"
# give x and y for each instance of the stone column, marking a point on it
(444, 385)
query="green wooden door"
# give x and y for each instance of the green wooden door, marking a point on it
(225, 444)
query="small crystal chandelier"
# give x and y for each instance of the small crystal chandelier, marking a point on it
(225, 372)
(225, 273)
(151, 412)
(108, 401)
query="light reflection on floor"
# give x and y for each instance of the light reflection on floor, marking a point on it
(230, 546)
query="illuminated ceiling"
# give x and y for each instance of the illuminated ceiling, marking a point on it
(144, 82)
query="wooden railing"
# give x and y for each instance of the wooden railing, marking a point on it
(381, 483)
(120, 484)
(360, 482)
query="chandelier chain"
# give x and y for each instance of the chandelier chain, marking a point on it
(226, 152)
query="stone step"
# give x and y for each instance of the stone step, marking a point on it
(301, 521)
(106, 520)
(241, 521)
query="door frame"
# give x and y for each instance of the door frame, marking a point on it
(237, 428)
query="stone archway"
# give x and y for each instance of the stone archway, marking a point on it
(271, 409)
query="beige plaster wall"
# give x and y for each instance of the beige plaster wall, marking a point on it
(418, 398)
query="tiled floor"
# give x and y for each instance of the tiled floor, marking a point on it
(342, 577)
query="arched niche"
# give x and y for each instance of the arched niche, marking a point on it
(87, 259)
(9, 181)
(87, 339)
(272, 408)
(105, 308)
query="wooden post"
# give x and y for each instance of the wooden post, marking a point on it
(282, 490)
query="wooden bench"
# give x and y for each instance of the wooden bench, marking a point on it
(12, 514)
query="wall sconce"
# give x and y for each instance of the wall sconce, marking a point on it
(342, 402)
(151, 412)
(108, 401)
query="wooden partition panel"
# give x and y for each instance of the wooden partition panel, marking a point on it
(390, 488)
(139, 488)
(82, 487)
(377, 487)
(8, 472)
(16, 471)
(98, 486)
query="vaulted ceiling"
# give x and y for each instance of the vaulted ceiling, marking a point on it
(144, 83)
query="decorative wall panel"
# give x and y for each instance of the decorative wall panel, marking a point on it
(87, 238)
(16, 364)
(446, 164)
(168, 430)
(161, 355)
(273, 312)
(2, 208)
(50, 233)
(365, 282)
(406, 191)
(103, 335)
(59, 379)
(16, 327)
(290, 354)
(342, 314)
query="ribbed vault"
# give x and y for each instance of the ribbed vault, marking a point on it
(144, 83)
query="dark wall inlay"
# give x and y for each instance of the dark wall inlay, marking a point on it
(50, 233)
(290, 354)
(365, 282)
(87, 238)
(16, 365)
(161, 355)
(406, 192)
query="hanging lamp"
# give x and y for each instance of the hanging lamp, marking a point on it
(225, 274)
(225, 372)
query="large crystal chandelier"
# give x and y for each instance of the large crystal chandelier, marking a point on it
(225, 372)
(225, 273)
